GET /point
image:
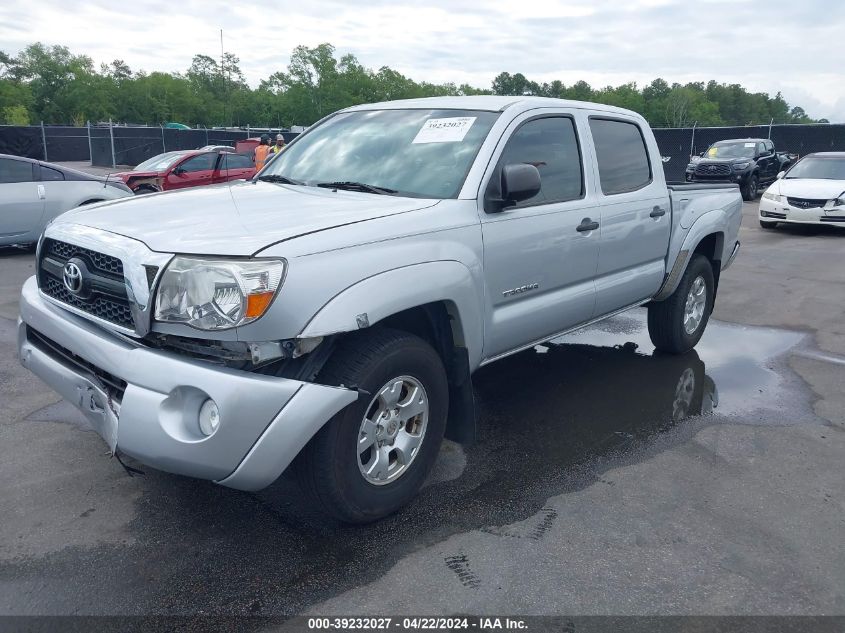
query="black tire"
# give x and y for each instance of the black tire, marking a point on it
(666, 318)
(328, 468)
(144, 189)
(768, 225)
(749, 190)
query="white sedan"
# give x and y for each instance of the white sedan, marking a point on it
(33, 192)
(811, 192)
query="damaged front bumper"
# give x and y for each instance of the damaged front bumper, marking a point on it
(145, 403)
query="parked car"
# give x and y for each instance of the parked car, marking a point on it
(750, 162)
(811, 192)
(187, 168)
(334, 309)
(33, 192)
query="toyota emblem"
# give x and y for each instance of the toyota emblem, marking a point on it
(72, 277)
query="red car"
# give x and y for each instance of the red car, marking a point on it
(187, 168)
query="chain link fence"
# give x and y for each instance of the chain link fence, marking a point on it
(108, 145)
(111, 145)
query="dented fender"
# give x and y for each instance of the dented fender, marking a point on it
(400, 289)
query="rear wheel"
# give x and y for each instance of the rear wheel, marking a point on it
(676, 324)
(768, 225)
(370, 459)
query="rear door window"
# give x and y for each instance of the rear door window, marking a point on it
(48, 173)
(621, 154)
(237, 161)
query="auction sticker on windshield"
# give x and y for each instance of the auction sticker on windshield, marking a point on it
(451, 130)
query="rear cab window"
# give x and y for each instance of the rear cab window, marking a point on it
(622, 156)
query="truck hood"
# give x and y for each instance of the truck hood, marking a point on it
(722, 161)
(240, 219)
(812, 188)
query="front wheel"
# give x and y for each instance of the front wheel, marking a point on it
(676, 324)
(370, 459)
(749, 192)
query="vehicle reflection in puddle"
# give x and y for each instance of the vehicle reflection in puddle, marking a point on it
(602, 389)
(736, 356)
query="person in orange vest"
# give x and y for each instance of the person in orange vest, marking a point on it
(279, 146)
(261, 152)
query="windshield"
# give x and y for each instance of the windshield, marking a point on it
(823, 168)
(734, 149)
(417, 153)
(160, 162)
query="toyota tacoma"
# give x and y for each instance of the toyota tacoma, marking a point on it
(328, 315)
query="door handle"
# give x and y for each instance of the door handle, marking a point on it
(656, 212)
(587, 225)
(42, 192)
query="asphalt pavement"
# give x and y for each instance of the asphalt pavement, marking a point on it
(607, 480)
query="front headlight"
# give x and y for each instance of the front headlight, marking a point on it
(741, 166)
(211, 294)
(773, 197)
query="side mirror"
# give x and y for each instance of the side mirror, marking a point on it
(178, 171)
(781, 174)
(520, 181)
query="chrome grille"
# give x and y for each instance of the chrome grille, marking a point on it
(107, 298)
(101, 261)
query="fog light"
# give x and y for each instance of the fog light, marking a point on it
(209, 417)
(764, 214)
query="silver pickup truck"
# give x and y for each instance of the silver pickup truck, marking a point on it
(328, 315)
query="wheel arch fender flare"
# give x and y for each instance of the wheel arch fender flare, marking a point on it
(375, 298)
(711, 223)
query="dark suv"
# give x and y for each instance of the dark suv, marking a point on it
(749, 162)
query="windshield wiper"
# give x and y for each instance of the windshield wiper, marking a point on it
(356, 186)
(284, 180)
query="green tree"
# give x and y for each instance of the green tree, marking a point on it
(52, 84)
(15, 115)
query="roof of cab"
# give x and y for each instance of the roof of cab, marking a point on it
(491, 103)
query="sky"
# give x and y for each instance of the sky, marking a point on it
(791, 46)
